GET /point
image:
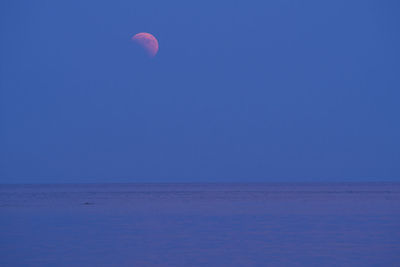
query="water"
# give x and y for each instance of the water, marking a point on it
(200, 225)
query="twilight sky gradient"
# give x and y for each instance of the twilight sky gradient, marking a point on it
(239, 91)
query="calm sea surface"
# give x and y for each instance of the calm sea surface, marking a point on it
(348, 224)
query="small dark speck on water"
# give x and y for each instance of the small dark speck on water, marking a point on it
(309, 224)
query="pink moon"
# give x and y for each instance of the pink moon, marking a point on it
(147, 41)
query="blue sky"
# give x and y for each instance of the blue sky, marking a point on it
(240, 91)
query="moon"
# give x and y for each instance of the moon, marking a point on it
(148, 42)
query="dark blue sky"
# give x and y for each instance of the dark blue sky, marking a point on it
(240, 91)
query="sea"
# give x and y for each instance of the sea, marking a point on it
(205, 224)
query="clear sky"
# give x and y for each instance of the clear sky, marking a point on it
(240, 91)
